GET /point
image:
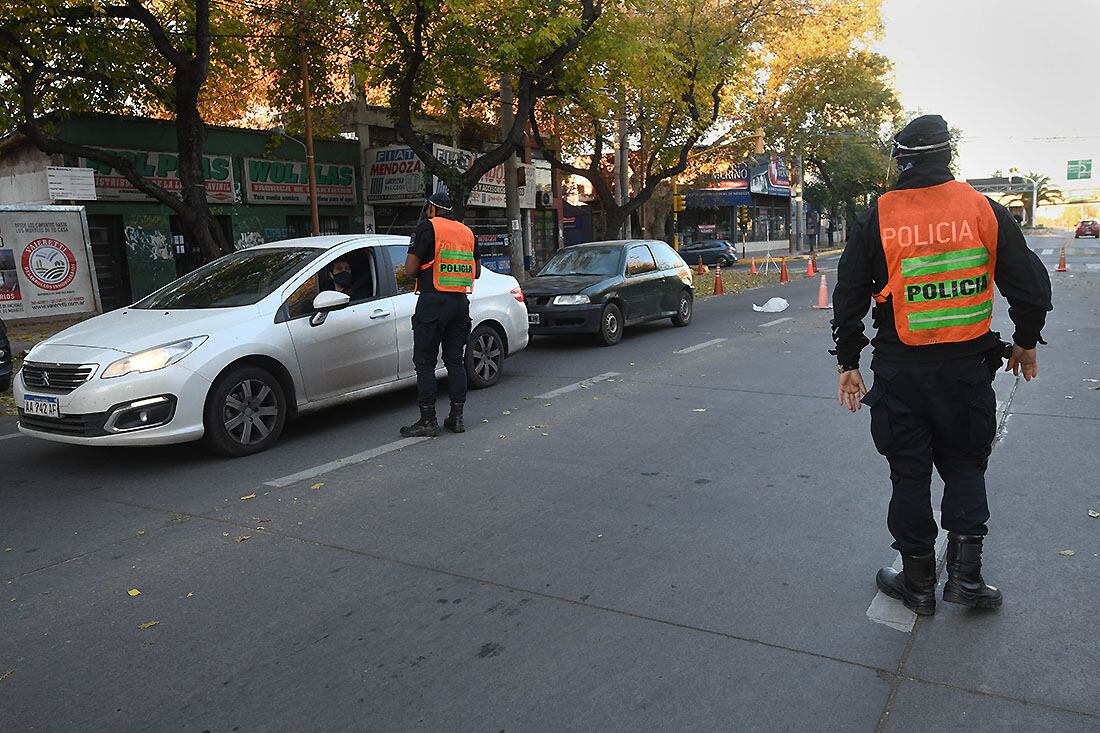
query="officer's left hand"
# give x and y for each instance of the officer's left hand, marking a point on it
(850, 389)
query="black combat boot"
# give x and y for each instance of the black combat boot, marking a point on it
(425, 427)
(964, 574)
(454, 420)
(915, 585)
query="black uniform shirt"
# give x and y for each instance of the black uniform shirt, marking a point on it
(1019, 274)
(423, 246)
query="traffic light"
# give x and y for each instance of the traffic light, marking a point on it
(679, 202)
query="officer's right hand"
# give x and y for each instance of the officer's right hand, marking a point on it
(1023, 360)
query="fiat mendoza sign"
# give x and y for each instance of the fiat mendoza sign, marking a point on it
(162, 169)
(287, 182)
(44, 264)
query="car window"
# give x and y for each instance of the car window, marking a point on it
(362, 288)
(240, 278)
(586, 260)
(639, 260)
(667, 259)
(398, 253)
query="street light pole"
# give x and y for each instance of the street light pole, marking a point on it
(303, 62)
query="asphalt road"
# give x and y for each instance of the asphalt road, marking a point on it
(685, 541)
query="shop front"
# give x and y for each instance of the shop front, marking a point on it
(748, 203)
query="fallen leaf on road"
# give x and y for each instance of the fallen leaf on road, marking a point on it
(1093, 513)
(7, 674)
(317, 485)
(261, 520)
(1094, 388)
(149, 624)
(225, 534)
(243, 537)
(535, 427)
(133, 592)
(7, 549)
(1068, 553)
(246, 498)
(1069, 397)
(1087, 379)
(547, 434)
(502, 437)
(526, 398)
(190, 594)
(506, 412)
(140, 532)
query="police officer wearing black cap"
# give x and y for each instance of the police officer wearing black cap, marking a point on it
(929, 253)
(445, 260)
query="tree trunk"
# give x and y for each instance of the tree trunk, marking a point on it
(199, 225)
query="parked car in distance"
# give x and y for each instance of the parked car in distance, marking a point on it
(230, 351)
(602, 287)
(5, 358)
(713, 252)
(1087, 228)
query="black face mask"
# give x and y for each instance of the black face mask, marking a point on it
(343, 279)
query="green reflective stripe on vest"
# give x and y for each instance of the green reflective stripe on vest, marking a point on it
(456, 254)
(931, 264)
(964, 316)
(464, 281)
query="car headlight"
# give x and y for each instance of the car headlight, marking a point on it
(153, 359)
(571, 299)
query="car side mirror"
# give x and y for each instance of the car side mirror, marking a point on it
(326, 302)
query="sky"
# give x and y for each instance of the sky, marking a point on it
(1018, 77)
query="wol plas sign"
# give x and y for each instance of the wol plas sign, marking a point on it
(287, 182)
(162, 169)
(44, 263)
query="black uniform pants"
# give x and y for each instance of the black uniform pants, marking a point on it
(942, 414)
(441, 319)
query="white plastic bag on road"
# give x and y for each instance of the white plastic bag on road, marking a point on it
(774, 305)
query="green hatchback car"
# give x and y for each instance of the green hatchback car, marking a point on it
(602, 287)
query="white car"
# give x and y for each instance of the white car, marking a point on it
(229, 352)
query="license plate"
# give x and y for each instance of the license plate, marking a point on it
(533, 319)
(41, 406)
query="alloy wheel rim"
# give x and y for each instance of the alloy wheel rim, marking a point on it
(685, 306)
(611, 324)
(487, 355)
(251, 411)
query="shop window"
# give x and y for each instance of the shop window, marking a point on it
(301, 226)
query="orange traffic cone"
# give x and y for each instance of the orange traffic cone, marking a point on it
(823, 295)
(783, 276)
(700, 269)
(1061, 260)
(810, 272)
(719, 288)
(752, 270)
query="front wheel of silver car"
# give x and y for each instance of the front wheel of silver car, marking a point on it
(484, 357)
(245, 412)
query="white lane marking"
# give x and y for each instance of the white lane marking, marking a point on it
(583, 384)
(776, 321)
(893, 613)
(703, 345)
(12, 435)
(1047, 251)
(341, 462)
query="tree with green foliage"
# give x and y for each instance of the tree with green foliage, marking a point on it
(132, 57)
(1045, 192)
(430, 58)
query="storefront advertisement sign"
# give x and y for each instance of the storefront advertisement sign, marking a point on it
(44, 266)
(771, 178)
(161, 169)
(287, 182)
(489, 191)
(394, 175)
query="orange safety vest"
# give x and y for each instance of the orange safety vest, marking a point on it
(941, 252)
(454, 268)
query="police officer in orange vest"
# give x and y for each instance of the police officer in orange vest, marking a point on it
(444, 257)
(929, 254)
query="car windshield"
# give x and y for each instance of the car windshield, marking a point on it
(241, 278)
(602, 261)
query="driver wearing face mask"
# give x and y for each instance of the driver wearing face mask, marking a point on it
(342, 277)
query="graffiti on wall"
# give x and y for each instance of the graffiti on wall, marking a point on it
(249, 239)
(151, 243)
